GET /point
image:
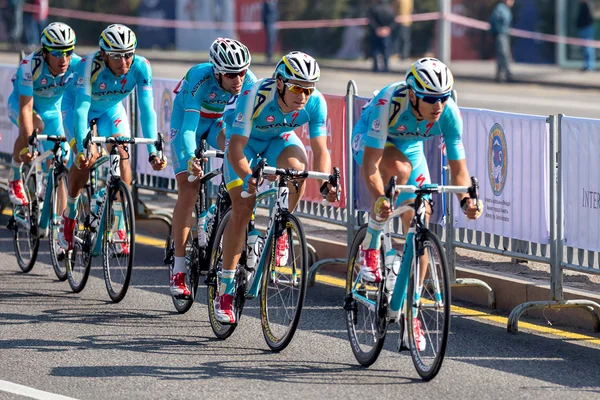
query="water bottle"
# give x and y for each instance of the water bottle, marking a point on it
(96, 208)
(251, 251)
(202, 237)
(392, 265)
(210, 214)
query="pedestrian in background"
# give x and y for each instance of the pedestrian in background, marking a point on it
(585, 30)
(34, 23)
(500, 21)
(12, 15)
(404, 8)
(381, 19)
(270, 17)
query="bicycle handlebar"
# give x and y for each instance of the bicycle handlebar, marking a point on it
(262, 169)
(201, 155)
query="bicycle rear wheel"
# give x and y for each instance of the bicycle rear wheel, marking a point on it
(284, 287)
(118, 244)
(58, 257)
(365, 317)
(431, 307)
(222, 331)
(24, 224)
(79, 260)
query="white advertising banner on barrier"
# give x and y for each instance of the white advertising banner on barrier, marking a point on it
(580, 167)
(8, 131)
(509, 154)
(163, 104)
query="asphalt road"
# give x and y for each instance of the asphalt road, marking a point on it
(85, 347)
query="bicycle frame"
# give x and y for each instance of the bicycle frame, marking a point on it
(37, 169)
(417, 227)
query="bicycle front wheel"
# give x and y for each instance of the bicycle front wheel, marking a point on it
(118, 243)
(284, 283)
(222, 331)
(366, 328)
(79, 260)
(26, 237)
(56, 255)
(428, 312)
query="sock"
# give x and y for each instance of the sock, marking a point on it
(373, 238)
(72, 207)
(118, 210)
(179, 265)
(227, 286)
(15, 171)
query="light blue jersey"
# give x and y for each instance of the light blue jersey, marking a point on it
(198, 108)
(388, 120)
(34, 79)
(257, 114)
(270, 131)
(98, 93)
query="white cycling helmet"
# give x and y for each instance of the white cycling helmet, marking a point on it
(117, 37)
(229, 55)
(58, 35)
(430, 76)
(298, 66)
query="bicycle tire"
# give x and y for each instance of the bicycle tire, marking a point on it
(79, 260)
(118, 275)
(31, 238)
(59, 266)
(366, 354)
(283, 281)
(427, 310)
(221, 331)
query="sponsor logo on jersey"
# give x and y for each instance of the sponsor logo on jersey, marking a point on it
(199, 83)
(102, 86)
(239, 117)
(376, 125)
(270, 118)
(212, 95)
(43, 81)
(401, 128)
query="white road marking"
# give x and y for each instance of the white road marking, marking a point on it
(21, 390)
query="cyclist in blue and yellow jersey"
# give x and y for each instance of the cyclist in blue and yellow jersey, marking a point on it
(388, 141)
(103, 79)
(35, 102)
(264, 120)
(202, 96)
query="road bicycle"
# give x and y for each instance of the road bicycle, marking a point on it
(282, 288)
(41, 217)
(422, 277)
(105, 222)
(201, 233)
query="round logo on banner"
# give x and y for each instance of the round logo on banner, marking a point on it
(497, 159)
(166, 107)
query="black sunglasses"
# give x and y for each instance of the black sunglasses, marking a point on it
(433, 99)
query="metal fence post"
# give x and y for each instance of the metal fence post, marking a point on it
(134, 121)
(556, 209)
(351, 92)
(444, 31)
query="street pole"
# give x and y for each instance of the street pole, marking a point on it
(444, 31)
